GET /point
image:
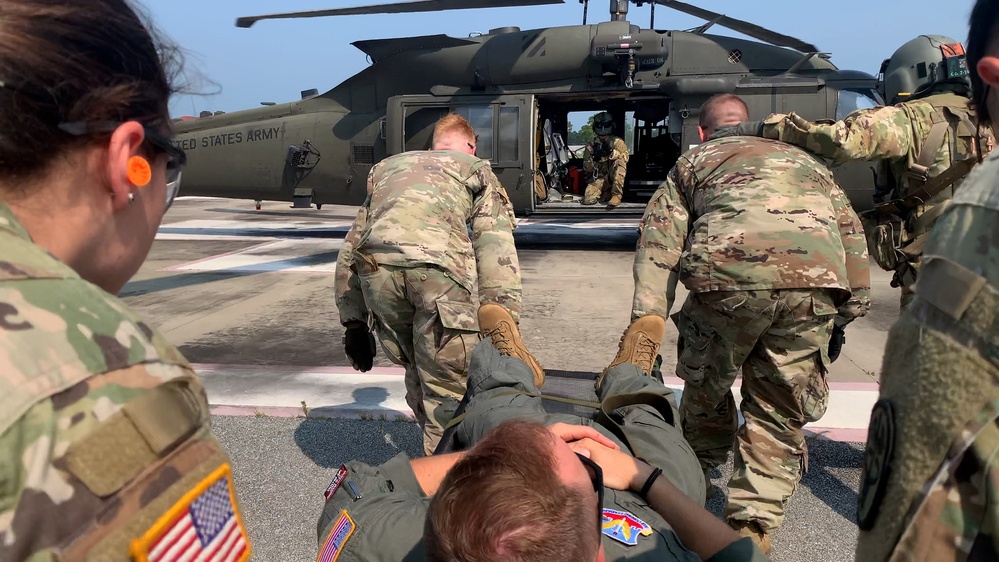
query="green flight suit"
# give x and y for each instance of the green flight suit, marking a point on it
(387, 522)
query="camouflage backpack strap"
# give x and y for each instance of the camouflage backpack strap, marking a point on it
(946, 117)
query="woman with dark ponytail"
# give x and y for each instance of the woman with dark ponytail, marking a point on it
(105, 446)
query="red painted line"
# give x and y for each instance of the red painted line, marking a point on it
(275, 411)
(399, 371)
(217, 256)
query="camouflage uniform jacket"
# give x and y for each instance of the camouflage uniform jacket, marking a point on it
(618, 154)
(418, 212)
(745, 213)
(895, 133)
(104, 427)
(930, 488)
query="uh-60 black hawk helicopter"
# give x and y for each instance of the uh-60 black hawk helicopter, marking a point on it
(517, 88)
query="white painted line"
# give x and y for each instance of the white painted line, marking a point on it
(210, 237)
(381, 393)
(287, 256)
(259, 224)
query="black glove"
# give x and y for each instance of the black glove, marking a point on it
(359, 345)
(601, 150)
(836, 343)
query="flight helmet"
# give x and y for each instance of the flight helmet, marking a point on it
(603, 123)
(919, 66)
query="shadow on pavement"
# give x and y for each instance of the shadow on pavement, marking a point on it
(332, 442)
(829, 464)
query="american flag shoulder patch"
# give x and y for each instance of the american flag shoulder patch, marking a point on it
(205, 524)
(341, 531)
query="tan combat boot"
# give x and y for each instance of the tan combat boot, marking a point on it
(496, 324)
(639, 345)
(614, 201)
(756, 534)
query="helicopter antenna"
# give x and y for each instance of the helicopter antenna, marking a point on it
(586, 4)
(652, 16)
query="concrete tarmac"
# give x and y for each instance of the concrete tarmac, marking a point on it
(238, 288)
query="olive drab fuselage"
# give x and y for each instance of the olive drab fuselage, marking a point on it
(508, 83)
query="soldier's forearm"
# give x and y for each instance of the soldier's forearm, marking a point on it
(699, 529)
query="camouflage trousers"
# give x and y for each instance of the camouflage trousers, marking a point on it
(610, 182)
(427, 323)
(778, 340)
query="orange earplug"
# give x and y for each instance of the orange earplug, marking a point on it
(140, 173)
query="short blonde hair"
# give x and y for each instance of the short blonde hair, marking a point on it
(454, 123)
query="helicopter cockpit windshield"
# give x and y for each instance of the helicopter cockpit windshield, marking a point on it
(852, 99)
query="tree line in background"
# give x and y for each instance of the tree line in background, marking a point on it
(585, 133)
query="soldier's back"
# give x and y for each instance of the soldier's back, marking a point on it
(421, 202)
(762, 217)
(105, 440)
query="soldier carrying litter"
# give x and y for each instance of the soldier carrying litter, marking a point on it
(930, 136)
(409, 264)
(774, 258)
(606, 160)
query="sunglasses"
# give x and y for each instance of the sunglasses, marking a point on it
(597, 478)
(176, 157)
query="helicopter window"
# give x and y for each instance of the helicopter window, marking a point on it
(508, 134)
(629, 131)
(852, 100)
(419, 126)
(481, 119)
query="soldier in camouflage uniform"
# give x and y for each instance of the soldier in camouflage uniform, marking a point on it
(773, 256)
(106, 450)
(409, 263)
(930, 127)
(930, 485)
(606, 160)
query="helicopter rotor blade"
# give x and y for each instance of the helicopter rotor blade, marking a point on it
(744, 27)
(398, 8)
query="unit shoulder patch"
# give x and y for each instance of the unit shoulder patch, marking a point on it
(877, 464)
(335, 483)
(624, 527)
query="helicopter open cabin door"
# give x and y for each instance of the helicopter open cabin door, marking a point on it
(503, 127)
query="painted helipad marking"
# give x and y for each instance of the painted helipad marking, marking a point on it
(341, 392)
(266, 228)
(315, 255)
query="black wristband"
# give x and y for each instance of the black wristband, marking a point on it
(648, 483)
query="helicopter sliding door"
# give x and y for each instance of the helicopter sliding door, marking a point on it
(502, 125)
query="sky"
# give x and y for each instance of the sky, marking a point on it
(231, 68)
